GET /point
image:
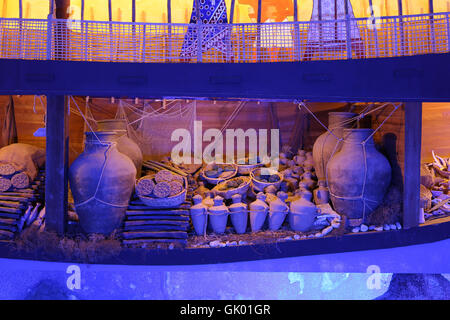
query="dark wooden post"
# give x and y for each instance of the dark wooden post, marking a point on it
(57, 145)
(432, 29)
(258, 41)
(402, 31)
(169, 31)
(413, 139)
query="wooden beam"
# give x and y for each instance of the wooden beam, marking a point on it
(62, 7)
(413, 138)
(231, 11)
(57, 163)
(258, 41)
(402, 32)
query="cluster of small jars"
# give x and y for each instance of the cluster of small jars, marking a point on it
(292, 201)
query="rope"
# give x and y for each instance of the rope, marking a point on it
(361, 197)
(108, 148)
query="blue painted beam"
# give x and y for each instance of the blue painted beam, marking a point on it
(416, 78)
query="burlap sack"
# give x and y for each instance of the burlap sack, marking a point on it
(24, 157)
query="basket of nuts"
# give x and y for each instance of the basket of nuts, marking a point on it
(227, 189)
(162, 190)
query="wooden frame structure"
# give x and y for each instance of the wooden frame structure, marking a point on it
(363, 81)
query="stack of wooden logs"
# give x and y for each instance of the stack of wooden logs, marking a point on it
(19, 164)
(21, 208)
(143, 225)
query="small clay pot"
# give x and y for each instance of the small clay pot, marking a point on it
(238, 214)
(258, 212)
(218, 215)
(199, 215)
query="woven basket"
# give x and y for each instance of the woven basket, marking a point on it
(245, 169)
(260, 185)
(165, 203)
(216, 181)
(242, 190)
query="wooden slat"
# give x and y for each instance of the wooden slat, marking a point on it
(154, 234)
(9, 215)
(156, 212)
(139, 241)
(8, 221)
(11, 204)
(6, 235)
(10, 228)
(155, 222)
(160, 217)
(155, 228)
(10, 210)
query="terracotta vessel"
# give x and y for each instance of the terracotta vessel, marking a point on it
(258, 212)
(321, 194)
(302, 214)
(327, 143)
(124, 143)
(238, 214)
(353, 171)
(102, 180)
(218, 215)
(199, 215)
(278, 210)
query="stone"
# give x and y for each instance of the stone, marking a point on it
(318, 235)
(335, 224)
(398, 225)
(296, 237)
(364, 228)
(327, 230)
(355, 230)
(386, 227)
(372, 227)
(214, 244)
(379, 228)
(393, 226)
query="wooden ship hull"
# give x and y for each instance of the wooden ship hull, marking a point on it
(389, 70)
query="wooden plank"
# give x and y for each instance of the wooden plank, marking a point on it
(57, 146)
(411, 190)
(11, 204)
(6, 235)
(154, 234)
(155, 228)
(184, 242)
(10, 210)
(10, 228)
(9, 215)
(155, 222)
(156, 212)
(8, 221)
(152, 217)
(16, 198)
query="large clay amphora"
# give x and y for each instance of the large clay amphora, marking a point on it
(356, 171)
(101, 180)
(327, 143)
(124, 144)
